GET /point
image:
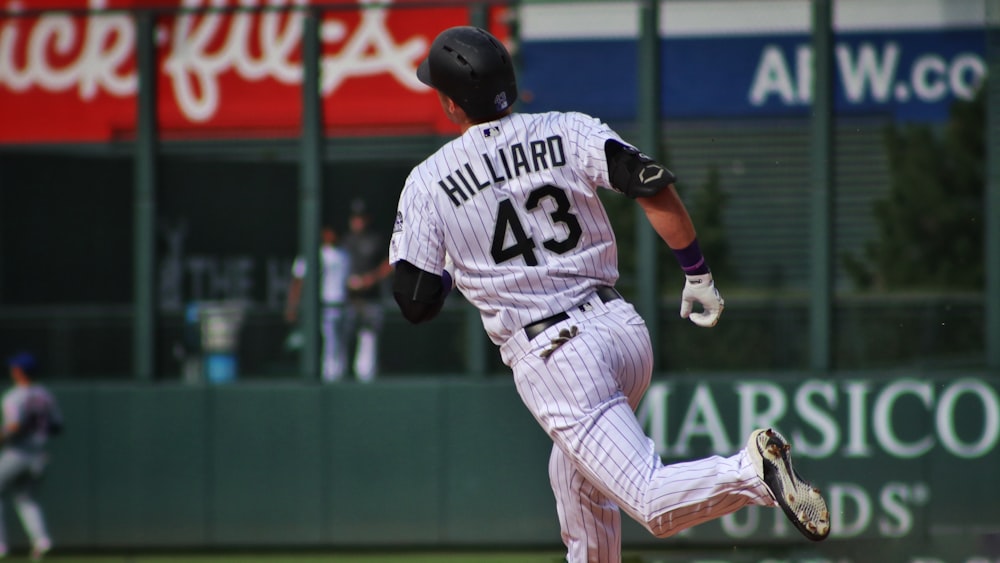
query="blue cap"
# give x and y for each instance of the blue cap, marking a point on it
(23, 360)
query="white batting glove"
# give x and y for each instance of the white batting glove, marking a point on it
(701, 289)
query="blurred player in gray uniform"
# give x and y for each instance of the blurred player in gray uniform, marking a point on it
(30, 417)
(509, 213)
(369, 267)
(335, 265)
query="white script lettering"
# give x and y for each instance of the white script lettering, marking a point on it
(59, 52)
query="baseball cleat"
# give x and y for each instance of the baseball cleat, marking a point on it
(802, 503)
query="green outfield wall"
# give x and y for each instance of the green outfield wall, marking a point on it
(910, 465)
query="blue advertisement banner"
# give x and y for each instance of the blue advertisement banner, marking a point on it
(909, 75)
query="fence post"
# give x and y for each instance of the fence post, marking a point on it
(821, 157)
(991, 248)
(310, 192)
(648, 114)
(144, 213)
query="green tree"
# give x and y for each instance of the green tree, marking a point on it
(930, 225)
(707, 206)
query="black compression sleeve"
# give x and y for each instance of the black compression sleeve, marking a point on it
(633, 173)
(419, 294)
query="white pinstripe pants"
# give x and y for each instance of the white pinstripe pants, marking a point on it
(584, 396)
(20, 473)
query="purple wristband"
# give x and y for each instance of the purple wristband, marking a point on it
(691, 259)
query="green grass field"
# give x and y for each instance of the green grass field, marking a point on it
(754, 554)
(423, 557)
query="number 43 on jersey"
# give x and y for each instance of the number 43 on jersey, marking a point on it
(523, 245)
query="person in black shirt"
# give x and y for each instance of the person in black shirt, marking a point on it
(369, 267)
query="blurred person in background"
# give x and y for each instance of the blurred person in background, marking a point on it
(30, 417)
(335, 263)
(369, 267)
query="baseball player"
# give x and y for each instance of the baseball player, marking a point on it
(30, 416)
(335, 264)
(512, 205)
(369, 267)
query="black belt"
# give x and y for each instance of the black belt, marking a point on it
(605, 293)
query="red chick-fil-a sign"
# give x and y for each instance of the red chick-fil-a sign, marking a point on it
(72, 76)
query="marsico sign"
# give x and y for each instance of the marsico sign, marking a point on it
(851, 418)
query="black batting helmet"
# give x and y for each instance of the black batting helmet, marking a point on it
(472, 67)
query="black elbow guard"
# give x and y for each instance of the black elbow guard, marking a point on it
(419, 294)
(633, 173)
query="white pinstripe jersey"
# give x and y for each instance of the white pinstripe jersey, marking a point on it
(513, 203)
(336, 265)
(34, 409)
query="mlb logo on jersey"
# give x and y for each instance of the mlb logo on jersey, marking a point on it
(491, 131)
